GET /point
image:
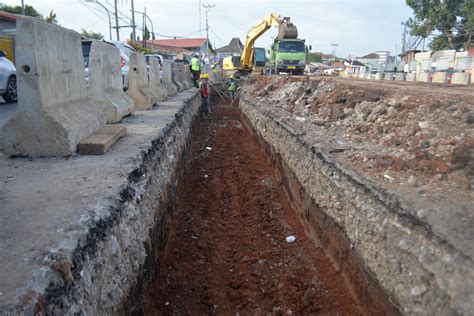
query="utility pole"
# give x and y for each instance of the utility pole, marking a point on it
(334, 52)
(133, 23)
(208, 8)
(117, 21)
(404, 37)
(23, 7)
(144, 30)
(200, 19)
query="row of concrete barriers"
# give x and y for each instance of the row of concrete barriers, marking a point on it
(56, 110)
(461, 78)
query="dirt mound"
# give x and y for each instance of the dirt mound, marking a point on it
(423, 132)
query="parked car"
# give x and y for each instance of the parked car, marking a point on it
(125, 52)
(7, 79)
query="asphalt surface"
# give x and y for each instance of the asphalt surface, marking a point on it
(7, 110)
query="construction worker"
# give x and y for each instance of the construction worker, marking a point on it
(231, 87)
(204, 89)
(195, 69)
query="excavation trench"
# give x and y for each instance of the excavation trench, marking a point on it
(222, 246)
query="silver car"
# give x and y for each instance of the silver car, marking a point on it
(7, 79)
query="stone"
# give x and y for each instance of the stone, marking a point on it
(392, 112)
(459, 180)
(424, 124)
(413, 181)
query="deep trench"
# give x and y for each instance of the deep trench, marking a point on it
(222, 247)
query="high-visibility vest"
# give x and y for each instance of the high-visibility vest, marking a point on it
(195, 64)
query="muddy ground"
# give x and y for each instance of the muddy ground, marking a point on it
(227, 252)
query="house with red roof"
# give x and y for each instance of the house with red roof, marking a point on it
(179, 45)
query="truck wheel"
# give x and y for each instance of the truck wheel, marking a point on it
(10, 94)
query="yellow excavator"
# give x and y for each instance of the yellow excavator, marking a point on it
(245, 63)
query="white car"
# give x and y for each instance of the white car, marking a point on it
(7, 79)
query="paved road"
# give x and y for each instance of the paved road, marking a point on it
(7, 110)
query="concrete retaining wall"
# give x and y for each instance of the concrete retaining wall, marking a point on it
(168, 78)
(422, 269)
(139, 89)
(105, 82)
(54, 112)
(155, 80)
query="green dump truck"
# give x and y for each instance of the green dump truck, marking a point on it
(288, 53)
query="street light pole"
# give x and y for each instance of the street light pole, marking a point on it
(22, 7)
(108, 14)
(133, 23)
(151, 22)
(116, 21)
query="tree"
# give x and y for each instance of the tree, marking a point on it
(449, 22)
(51, 18)
(315, 57)
(29, 10)
(91, 35)
(147, 34)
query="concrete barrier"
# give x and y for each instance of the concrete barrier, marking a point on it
(155, 80)
(423, 77)
(379, 76)
(460, 78)
(139, 89)
(439, 77)
(54, 111)
(388, 76)
(362, 75)
(400, 76)
(187, 77)
(411, 76)
(176, 76)
(105, 82)
(168, 78)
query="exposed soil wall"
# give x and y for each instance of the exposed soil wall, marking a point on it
(369, 232)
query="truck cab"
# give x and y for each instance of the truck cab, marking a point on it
(288, 55)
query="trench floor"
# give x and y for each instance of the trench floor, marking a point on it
(227, 252)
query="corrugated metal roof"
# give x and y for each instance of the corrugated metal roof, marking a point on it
(7, 16)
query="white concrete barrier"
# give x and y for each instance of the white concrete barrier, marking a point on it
(400, 76)
(460, 78)
(362, 75)
(411, 76)
(155, 80)
(105, 82)
(423, 77)
(139, 89)
(188, 83)
(439, 77)
(176, 75)
(54, 111)
(168, 78)
(379, 76)
(388, 76)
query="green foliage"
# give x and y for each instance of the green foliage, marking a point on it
(147, 34)
(91, 35)
(450, 22)
(315, 57)
(51, 18)
(29, 10)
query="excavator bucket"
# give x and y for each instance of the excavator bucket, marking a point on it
(286, 29)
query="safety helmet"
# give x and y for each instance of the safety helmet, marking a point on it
(204, 76)
(196, 55)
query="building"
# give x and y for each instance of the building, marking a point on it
(179, 45)
(234, 48)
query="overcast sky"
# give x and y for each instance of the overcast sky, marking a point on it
(357, 26)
